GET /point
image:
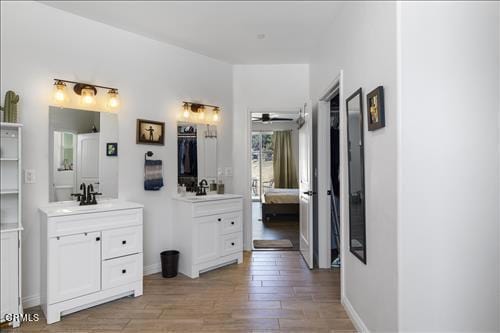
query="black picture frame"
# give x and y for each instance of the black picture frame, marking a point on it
(111, 149)
(375, 109)
(150, 132)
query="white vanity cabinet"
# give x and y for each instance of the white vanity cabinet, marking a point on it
(208, 232)
(90, 255)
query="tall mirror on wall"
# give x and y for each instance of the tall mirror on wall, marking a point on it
(356, 165)
(80, 152)
(196, 155)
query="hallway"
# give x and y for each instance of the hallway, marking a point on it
(270, 291)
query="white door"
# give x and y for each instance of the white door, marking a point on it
(9, 273)
(305, 186)
(74, 266)
(206, 238)
(87, 161)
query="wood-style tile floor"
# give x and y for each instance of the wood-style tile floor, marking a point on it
(269, 292)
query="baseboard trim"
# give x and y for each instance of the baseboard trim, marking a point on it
(34, 300)
(355, 318)
(152, 269)
(31, 301)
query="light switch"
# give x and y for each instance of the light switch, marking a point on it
(29, 176)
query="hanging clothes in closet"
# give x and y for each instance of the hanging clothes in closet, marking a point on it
(187, 156)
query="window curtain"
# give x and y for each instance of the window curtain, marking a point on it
(285, 175)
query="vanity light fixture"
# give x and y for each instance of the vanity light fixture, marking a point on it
(200, 110)
(186, 111)
(216, 114)
(60, 95)
(113, 100)
(87, 93)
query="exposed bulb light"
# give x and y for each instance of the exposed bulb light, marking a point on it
(60, 95)
(201, 113)
(88, 96)
(215, 117)
(113, 100)
(186, 111)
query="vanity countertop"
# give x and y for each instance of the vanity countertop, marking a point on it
(73, 208)
(205, 198)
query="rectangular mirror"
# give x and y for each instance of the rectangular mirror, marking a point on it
(356, 167)
(78, 152)
(196, 154)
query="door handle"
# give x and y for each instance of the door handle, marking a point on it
(309, 192)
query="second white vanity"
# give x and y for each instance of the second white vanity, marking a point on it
(208, 232)
(89, 255)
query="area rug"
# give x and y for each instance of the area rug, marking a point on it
(272, 243)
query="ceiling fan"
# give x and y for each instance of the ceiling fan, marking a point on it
(266, 118)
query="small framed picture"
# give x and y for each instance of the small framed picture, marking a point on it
(111, 149)
(150, 132)
(375, 109)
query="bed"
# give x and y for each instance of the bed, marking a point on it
(280, 202)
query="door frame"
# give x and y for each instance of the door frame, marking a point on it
(323, 176)
(247, 197)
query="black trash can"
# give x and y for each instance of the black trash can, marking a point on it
(169, 263)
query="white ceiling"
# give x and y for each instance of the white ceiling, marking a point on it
(225, 30)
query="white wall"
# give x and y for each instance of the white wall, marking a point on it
(362, 42)
(449, 182)
(257, 88)
(39, 43)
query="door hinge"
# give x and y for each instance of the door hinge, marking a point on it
(19, 301)
(18, 243)
(329, 192)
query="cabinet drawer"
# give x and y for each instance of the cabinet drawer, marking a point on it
(120, 271)
(217, 207)
(121, 242)
(231, 243)
(230, 223)
(74, 224)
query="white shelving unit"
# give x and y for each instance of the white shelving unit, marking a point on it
(10, 220)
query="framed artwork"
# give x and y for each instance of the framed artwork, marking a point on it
(375, 109)
(111, 149)
(150, 132)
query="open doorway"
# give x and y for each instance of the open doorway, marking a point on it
(274, 171)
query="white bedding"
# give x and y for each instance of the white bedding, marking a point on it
(281, 196)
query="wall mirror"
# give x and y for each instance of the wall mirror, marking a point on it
(355, 146)
(79, 152)
(196, 154)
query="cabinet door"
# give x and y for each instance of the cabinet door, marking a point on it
(206, 239)
(74, 266)
(9, 272)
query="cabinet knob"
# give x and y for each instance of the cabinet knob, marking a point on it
(124, 271)
(98, 239)
(219, 219)
(232, 244)
(124, 242)
(232, 222)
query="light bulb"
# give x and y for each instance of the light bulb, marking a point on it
(186, 111)
(216, 115)
(88, 96)
(113, 100)
(60, 95)
(202, 114)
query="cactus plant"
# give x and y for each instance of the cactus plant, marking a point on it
(10, 107)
